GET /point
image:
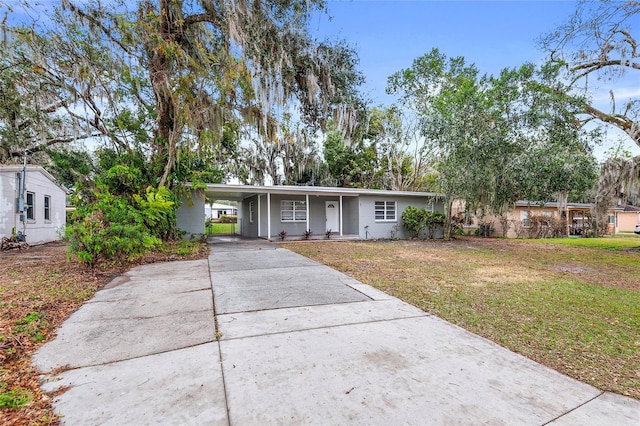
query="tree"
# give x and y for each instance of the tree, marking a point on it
(498, 139)
(293, 158)
(173, 73)
(404, 159)
(33, 107)
(598, 41)
(598, 44)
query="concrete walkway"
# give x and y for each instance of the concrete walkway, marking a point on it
(291, 342)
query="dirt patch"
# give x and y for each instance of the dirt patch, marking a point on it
(573, 269)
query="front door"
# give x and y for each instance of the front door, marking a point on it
(333, 216)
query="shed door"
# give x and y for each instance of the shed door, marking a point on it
(333, 216)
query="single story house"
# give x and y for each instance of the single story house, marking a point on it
(31, 202)
(266, 211)
(518, 219)
(215, 210)
(626, 219)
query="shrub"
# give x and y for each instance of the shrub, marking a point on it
(413, 220)
(116, 227)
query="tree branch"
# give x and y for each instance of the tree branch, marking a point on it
(92, 21)
(51, 142)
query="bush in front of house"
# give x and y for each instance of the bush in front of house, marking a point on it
(120, 227)
(421, 222)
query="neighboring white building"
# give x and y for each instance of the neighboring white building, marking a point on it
(39, 212)
(215, 210)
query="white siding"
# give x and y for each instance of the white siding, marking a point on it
(38, 231)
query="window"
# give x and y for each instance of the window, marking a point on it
(293, 211)
(525, 215)
(47, 208)
(251, 211)
(548, 215)
(30, 205)
(612, 219)
(385, 211)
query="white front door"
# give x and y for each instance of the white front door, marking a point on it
(333, 216)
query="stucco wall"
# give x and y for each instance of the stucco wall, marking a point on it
(190, 215)
(38, 230)
(627, 221)
(370, 228)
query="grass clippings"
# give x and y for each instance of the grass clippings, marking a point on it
(571, 307)
(39, 288)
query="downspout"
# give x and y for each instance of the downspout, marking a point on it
(23, 195)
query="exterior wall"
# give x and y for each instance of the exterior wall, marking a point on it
(38, 230)
(370, 228)
(351, 221)
(627, 221)
(190, 215)
(515, 217)
(292, 228)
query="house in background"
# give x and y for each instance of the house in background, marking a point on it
(626, 219)
(215, 210)
(265, 211)
(38, 211)
(518, 219)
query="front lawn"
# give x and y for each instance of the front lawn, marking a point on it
(575, 309)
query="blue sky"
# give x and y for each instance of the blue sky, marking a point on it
(389, 35)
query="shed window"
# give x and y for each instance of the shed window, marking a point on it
(47, 207)
(525, 215)
(293, 211)
(30, 205)
(385, 211)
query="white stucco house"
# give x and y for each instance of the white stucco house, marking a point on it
(34, 205)
(265, 211)
(217, 210)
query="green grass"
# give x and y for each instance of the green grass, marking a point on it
(13, 398)
(222, 228)
(621, 242)
(573, 308)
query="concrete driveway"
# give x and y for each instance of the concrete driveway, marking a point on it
(259, 335)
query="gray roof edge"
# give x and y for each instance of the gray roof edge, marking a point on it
(288, 189)
(525, 203)
(35, 167)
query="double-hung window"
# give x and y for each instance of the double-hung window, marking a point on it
(30, 206)
(385, 211)
(526, 218)
(47, 208)
(293, 211)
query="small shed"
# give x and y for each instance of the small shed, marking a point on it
(32, 203)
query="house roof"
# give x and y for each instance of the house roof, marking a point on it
(33, 168)
(240, 192)
(525, 203)
(216, 206)
(628, 209)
